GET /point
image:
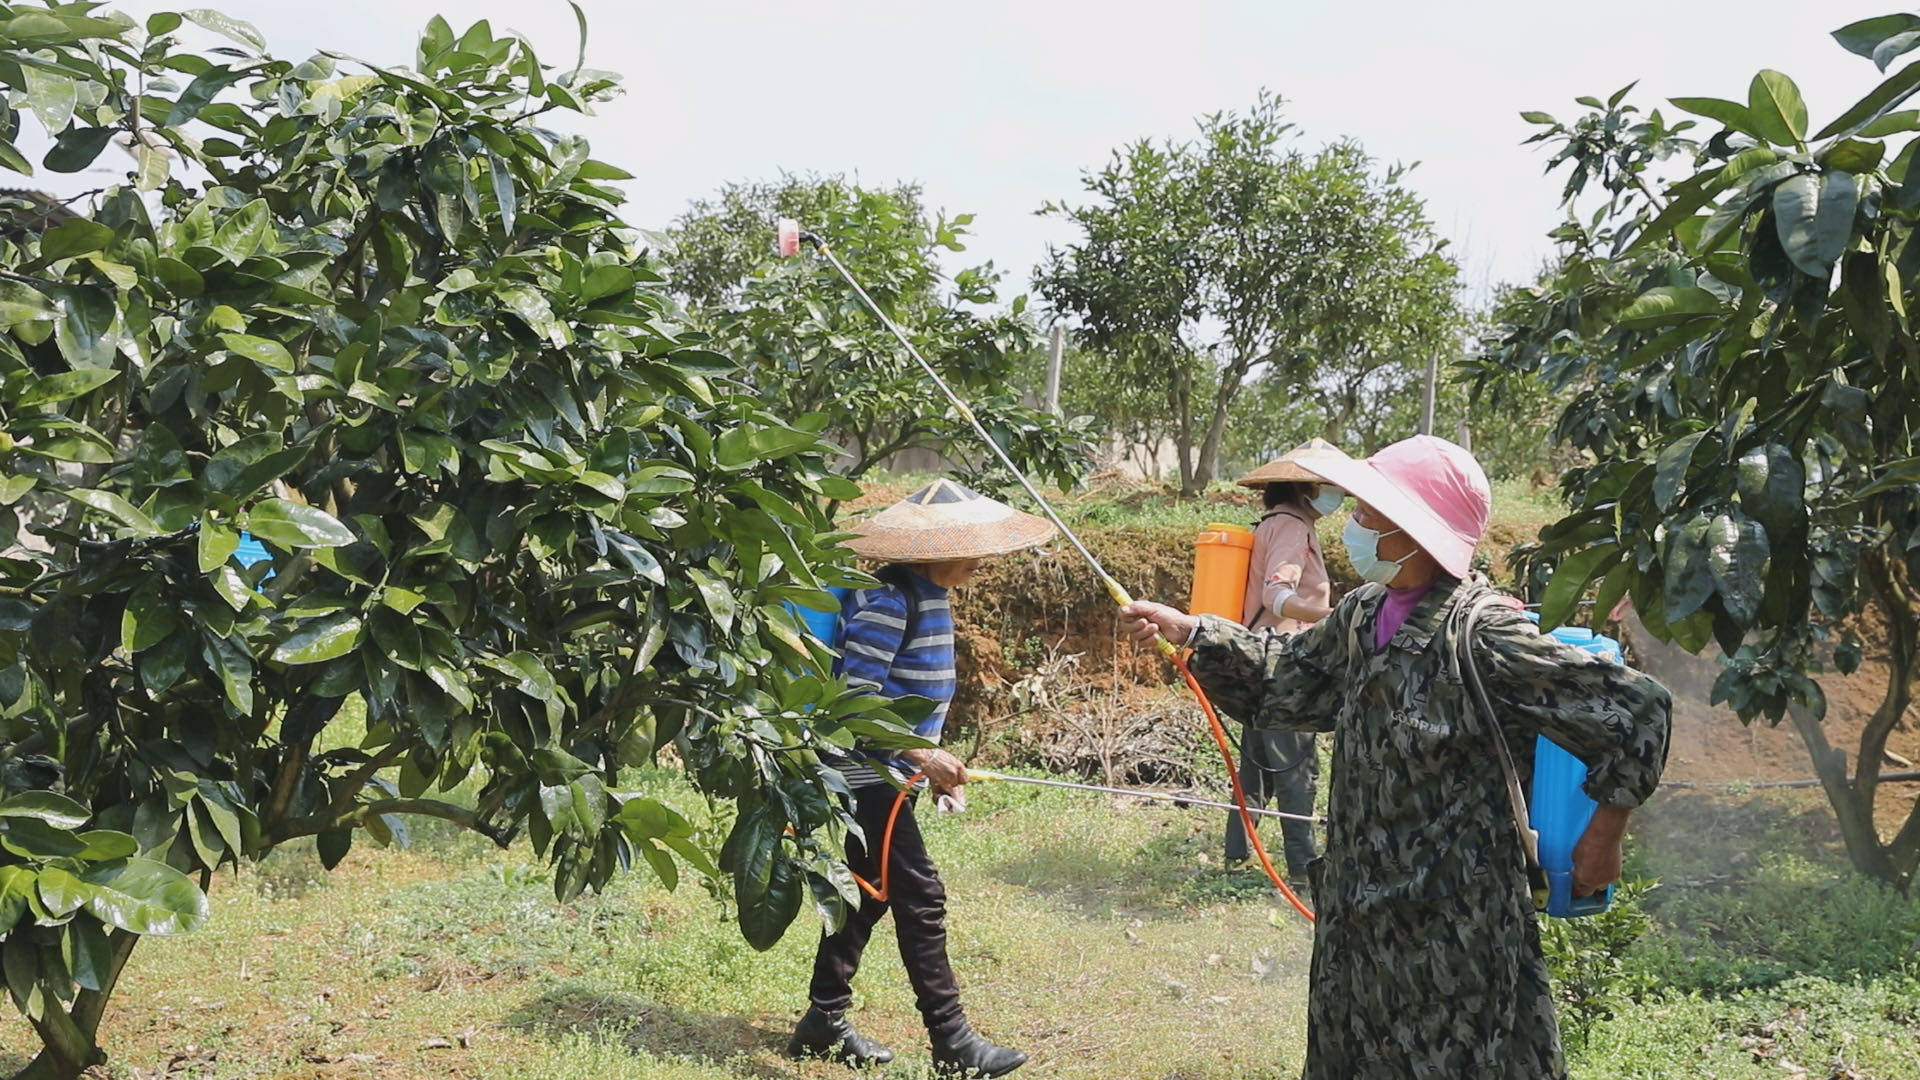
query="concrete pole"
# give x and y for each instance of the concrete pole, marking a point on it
(1056, 353)
(1428, 397)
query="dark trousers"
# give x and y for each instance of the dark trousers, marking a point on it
(1283, 766)
(919, 905)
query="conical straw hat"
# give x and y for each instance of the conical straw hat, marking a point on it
(943, 521)
(1286, 468)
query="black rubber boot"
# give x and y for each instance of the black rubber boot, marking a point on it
(829, 1036)
(963, 1051)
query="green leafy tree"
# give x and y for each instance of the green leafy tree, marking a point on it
(1745, 366)
(389, 325)
(1207, 264)
(811, 347)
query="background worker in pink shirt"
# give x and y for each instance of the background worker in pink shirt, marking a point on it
(1287, 591)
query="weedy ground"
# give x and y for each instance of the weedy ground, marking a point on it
(1101, 936)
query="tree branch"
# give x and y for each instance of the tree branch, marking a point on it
(465, 817)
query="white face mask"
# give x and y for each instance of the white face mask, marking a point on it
(1328, 500)
(1363, 551)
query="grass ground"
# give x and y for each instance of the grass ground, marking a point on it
(1098, 935)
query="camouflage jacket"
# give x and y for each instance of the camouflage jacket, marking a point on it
(1426, 953)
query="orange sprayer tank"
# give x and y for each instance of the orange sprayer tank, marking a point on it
(1221, 554)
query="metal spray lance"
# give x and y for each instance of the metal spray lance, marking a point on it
(789, 238)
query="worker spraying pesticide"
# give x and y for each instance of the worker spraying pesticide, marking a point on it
(1286, 591)
(1426, 959)
(897, 640)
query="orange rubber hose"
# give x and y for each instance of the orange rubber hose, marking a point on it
(886, 846)
(1239, 792)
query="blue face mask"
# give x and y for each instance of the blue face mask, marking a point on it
(1328, 500)
(1363, 550)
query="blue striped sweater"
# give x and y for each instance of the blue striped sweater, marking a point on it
(876, 652)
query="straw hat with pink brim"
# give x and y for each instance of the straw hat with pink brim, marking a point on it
(945, 521)
(1287, 468)
(1432, 489)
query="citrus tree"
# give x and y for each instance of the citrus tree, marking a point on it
(387, 324)
(1737, 329)
(810, 346)
(1202, 267)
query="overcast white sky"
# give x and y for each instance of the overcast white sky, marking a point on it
(997, 106)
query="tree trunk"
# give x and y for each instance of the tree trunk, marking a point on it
(1854, 815)
(1231, 379)
(1183, 429)
(68, 1044)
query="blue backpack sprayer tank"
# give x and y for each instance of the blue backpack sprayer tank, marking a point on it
(1559, 809)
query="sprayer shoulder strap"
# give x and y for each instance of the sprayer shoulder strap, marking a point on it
(1476, 688)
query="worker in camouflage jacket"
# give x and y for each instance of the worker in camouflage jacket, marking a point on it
(1426, 959)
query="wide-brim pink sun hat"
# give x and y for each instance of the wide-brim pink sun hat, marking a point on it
(1432, 489)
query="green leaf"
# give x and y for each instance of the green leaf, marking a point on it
(1570, 580)
(1689, 577)
(1894, 123)
(16, 884)
(61, 893)
(14, 488)
(503, 193)
(23, 304)
(117, 508)
(320, 639)
(766, 913)
(260, 350)
(234, 666)
(1853, 156)
(1777, 109)
(1895, 474)
(147, 620)
(141, 896)
(1863, 37)
(77, 237)
(1670, 471)
(1815, 219)
(201, 92)
(291, 525)
(1534, 117)
(242, 233)
(228, 26)
(51, 95)
(1888, 94)
(1737, 557)
(1894, 48)
(180, 279)
(1772, 485)
(333, 846)
(92, 954)
(152, 166)
(231, 586)
(32, 838)
(1731, 113)
(76, 148)
(217, 544)
(104, 844)
(605, 281)
(1669, 304)
(65, 386)
(56, 810)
